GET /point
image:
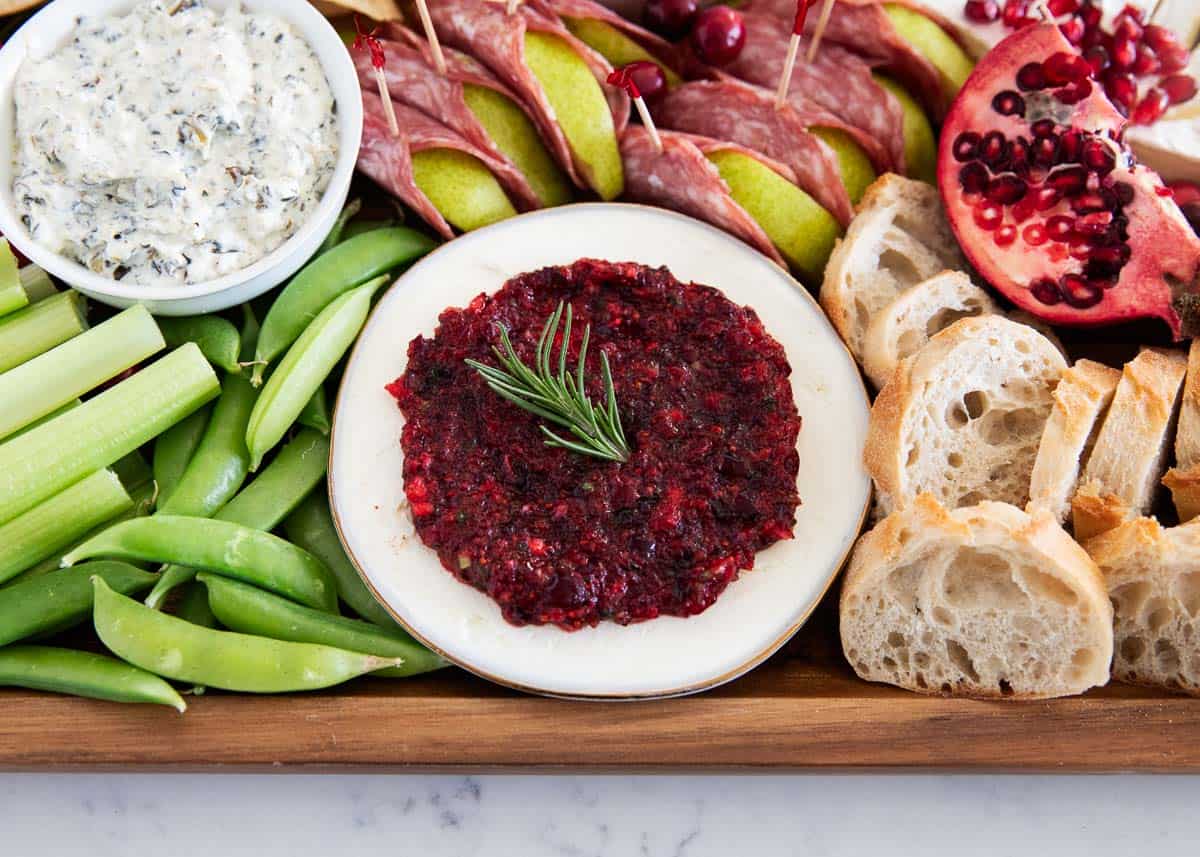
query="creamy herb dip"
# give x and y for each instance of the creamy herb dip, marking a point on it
(175, 144)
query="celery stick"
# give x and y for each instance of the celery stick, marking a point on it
(12, 296)
(55, 523)
(39, 464)
(57, 412)
(29, 332)
(38, 386)
(36, 283)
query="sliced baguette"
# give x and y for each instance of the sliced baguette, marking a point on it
(904, 326)
(961, 419)
(898, 238)
(1153, 578)
(982, 601)
(1126, 463)
(1184, 478)
(1080, 402)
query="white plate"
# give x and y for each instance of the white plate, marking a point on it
(665, 656)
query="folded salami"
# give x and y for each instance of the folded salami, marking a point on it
(740, 113)
(863, 27)
(487, 32)
(838, 81)
(388, 159)
(590, 10)
(413, 80)
(682, 179)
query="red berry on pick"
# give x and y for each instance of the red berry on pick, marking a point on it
(670, 18)
(719, 35)
(648, 77)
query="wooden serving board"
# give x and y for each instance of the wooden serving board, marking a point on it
(803, 710)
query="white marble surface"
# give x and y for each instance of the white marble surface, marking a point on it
(431, 816)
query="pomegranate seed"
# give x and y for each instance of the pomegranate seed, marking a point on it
(1094, 224)
(1024, 209)
(982, 11)
(1152, 106)
(1121, 88)
(1034, 234)
(1099, 157)
(1062, 7)
(1128, 24)
(1030, 77)
(973, 177)
(1159, 37)
(1015, 12)
(1124, 52)
(1046, 291)
(671, 18)
(1062, 67)
(1080, 250)
(966, 146)
(1178, 87)
(1068, 147)
(1045, 150)
(1059, 227)
(1079, 293)
(1164, 191)
(989, 216)
(1091, 15)
(1096, 38)
(1100, 200)
(1075, 92)
(1114, 254)
(994, 149)
(1006, 189)
(1043, 128)
(1005, 235)
(1097, 58)
(718, 35)
(1146, 61)
(1008, 103)
(1172, 58)
(1073, 30)
(1067, 180)
(1046, 198)
(1123, 192)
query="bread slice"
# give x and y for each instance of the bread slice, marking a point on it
(982, 601)
(1126, 463)
(1153, 578)
(1080, 402)
(898, 238)
(1184, 478)
(961, 419)
(905, 325)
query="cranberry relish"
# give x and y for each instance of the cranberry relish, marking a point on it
(558, 537)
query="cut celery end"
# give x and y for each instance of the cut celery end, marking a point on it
(12, 296)
(40, 463)
(36, 283)
(40, 385)
(57, 522)
(36, 329)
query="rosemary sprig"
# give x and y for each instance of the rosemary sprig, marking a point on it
(559, 398)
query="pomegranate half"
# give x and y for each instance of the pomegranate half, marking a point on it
(1048, 203)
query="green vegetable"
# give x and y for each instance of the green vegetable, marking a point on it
(305, 366)
(350, 209)
(311, 528)
(193, 607)
(216, 337)
(36, 329)
(12, 296)
(203, 543)
(40, 463)
(360, 227)
(249, 610)
(174, 448)
(331, 274)
(61, 599)
(133, 471)
(57, 412)
(55, 523)
(182, 651)
(37, 283)
(316, 412)
(84, 674)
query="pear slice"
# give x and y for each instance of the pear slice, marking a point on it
(581, 109)
(853, 163)
(920, 144)
(517, 137)
(615, 46)
(933, 43)
(803, 231)
(461, 187)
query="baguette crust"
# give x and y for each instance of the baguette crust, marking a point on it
(1185, 491)
(1184, 478)
(1080, 401)
(984, 601)
(1152, 575)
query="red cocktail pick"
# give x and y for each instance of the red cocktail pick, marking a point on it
(623, 77)
(785, 79)
(367, 41)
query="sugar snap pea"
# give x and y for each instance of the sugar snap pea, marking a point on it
(250, 610)
(311, 527)
(193, 606)
(61, 599)
(266, 501)
(173, 449)
(350, 209)
(329, 275)
(361, 227)
(179, 650)
(304, 368)
(316, 412)
(216, 337)
(203, 543)
(84, 674)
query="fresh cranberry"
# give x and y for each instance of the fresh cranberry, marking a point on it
(719, 35)
(982, 11)
(648, 77)
(670, 18)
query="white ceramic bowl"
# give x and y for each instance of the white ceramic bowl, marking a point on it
(666, 656)
(51, 27)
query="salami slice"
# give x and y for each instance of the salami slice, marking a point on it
(487, 32)
(388, 159)
(654, 44)
(864, 28)
(413, 80)
(744, 114)
(682, 179)
(837, 80)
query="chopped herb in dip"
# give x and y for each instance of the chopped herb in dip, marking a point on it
(175, 144)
